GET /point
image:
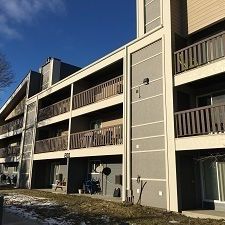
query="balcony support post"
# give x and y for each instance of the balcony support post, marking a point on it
(70, 118)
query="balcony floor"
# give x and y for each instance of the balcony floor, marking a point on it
(206, 70)
(83, 152)
(210, 141)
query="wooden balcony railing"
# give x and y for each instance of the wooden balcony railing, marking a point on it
(10, 151)
(200, 53)
(99, 137)
(54, 109)
(52, 144)
(103, 91)
(199, 121)
(11, 126)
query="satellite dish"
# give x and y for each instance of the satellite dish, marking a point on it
(99, 169)
(106, 171)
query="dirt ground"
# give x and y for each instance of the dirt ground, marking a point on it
(72, 209)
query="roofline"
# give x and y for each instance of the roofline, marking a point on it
(18, 88)
(97, 61)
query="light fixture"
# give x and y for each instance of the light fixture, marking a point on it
(145, 82)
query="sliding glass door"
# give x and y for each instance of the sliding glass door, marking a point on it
(213, 180)
(210, 180)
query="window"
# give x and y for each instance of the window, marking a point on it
(95, 124)
(214, 98)
(218, 98)
(204, 100)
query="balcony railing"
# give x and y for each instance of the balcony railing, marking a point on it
(54, 110)
(103, 91)
(11, 126)
(200, 53)
(99, 137)
(52, 144)
(10, 151)
(199, 121)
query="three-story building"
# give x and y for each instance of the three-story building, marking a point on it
(147, 119)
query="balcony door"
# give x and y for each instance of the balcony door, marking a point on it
(210, 181)
(213, 181)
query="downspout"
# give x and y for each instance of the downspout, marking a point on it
(128, 122)
(124, 182)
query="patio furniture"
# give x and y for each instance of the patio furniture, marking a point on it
(92, 186)
(59, 184)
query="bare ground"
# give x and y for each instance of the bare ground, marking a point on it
(73, 209)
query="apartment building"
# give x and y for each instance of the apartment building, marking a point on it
(148, 118)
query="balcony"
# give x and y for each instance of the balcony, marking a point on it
(200, 121)
(112, 135)
(98, 93)
(54, 110)
(10, 151)
(201, 53)
(52, 144)
(11, 126)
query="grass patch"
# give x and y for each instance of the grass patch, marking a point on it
(76, 209)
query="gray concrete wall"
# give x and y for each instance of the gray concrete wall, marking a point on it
(147, 126)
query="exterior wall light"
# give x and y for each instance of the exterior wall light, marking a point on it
(145, 82)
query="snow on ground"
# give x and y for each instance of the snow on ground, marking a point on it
(24, 206)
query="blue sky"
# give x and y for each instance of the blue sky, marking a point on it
(75, 31)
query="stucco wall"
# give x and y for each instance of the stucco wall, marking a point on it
(147, 126)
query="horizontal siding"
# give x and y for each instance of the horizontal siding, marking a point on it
(202, 13)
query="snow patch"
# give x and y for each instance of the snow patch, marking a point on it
(23, 206)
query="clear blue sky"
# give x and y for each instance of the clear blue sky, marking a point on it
(75, 31)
